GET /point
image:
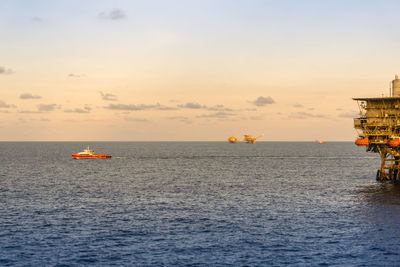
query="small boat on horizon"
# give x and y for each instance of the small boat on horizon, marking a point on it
(89, 154)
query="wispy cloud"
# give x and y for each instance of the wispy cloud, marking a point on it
(348, 114)
(298, 106)
(129, 107)
(188, 105)
(47, 107)
(86, 109)
(133, 107)
(29, 111)
(108, 97)
(181, 119)
(29, 96)
(219, 115)
(36, 19)
(3, 70)
(74, 75)
(305, 115)
(114, 14)
(219, 108)
(161, 107)
(191, 105)
(5, 105)
(136, 119)
(256, 118)
(263, 101)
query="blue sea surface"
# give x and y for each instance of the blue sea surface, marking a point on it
(196, 204)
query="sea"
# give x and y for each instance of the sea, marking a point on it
(196, 204)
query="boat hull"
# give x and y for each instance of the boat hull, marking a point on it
(362, 141)
(100, 156)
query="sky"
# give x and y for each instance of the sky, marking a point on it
(192, 70)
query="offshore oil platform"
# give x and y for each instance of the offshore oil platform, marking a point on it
(378, 129)
(247, 138)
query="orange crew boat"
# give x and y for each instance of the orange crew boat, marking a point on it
(89, 154)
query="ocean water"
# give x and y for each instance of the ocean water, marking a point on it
(196, 204)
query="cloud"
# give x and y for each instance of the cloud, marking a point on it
(181, 119)
(3, 70)
(166, 108)
(138, 107)
(47, 107)
(114, 14)
(129, 107)
(219, 115)
(136, 119)
(178, 118)
(36, 19)
(305, 115)
(108, 97)
(86, 109)
(263, 101)
(298, 105)
(349, 114)
(44, 119)
(29, 96)
(191, 105)
(73, 75)
(219, 108)
(339, 109)
(5, 105)
(29, 111)
(256, 118)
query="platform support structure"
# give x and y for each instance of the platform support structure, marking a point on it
(390, 166)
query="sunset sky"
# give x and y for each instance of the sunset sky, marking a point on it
(192, 70)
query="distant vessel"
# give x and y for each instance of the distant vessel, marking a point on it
(232, 139)
(251, 139)
(89, 154)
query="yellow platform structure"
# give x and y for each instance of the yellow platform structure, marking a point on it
(232, 139)
(378, 127)
(251, 139)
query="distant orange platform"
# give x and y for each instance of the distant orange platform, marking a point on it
(89, 154)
